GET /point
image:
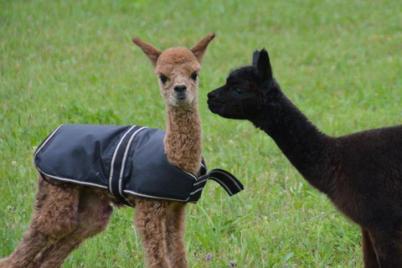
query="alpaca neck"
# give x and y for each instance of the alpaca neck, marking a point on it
(302, 143)
(183, 138)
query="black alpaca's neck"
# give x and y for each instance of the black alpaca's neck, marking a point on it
(303, 144)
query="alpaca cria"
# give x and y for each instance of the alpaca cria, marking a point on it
(85, 168)
(360, 173)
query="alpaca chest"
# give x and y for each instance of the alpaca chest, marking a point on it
(125, 160)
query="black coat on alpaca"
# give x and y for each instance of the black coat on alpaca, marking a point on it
(361, 173)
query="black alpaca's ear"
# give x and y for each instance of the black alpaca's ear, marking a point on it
(256, 55)
(263, 65)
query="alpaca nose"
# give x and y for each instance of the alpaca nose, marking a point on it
(211, 95)
(180, 89)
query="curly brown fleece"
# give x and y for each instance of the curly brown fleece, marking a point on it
(65, 215)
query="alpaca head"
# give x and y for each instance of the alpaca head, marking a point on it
(177, 70)
(245, 90)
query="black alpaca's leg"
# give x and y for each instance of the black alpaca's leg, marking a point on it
(388, 247)
(370, 258)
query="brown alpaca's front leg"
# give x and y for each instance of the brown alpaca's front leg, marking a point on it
(370, 258)
(175, 226)
(94, 211)
(150, 217)
(55, 216)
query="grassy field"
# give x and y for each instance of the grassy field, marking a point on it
(73, 61)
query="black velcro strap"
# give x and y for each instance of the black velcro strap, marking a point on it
(203, 169)
(198, 187)
(228, 182)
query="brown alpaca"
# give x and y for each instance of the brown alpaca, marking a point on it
(66, 214)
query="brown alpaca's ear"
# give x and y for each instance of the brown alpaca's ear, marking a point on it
(152, 52)
(199, 49)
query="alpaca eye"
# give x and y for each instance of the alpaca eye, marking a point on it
(194, 76)
(163, 78)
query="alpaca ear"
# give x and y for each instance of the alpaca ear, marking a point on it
(263, 65)
(151, 52)
(199, 48)
(256, 55)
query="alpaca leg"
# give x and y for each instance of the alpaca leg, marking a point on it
(31, 245)
(388, 247)
(370, 259)
(175, 221)
(94, 211)
(55, 216)
(149, 220)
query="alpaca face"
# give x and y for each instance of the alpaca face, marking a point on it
(177, 70)
(243, 94)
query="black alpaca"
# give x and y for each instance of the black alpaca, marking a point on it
(361, 173)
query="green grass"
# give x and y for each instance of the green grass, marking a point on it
(73, 61)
